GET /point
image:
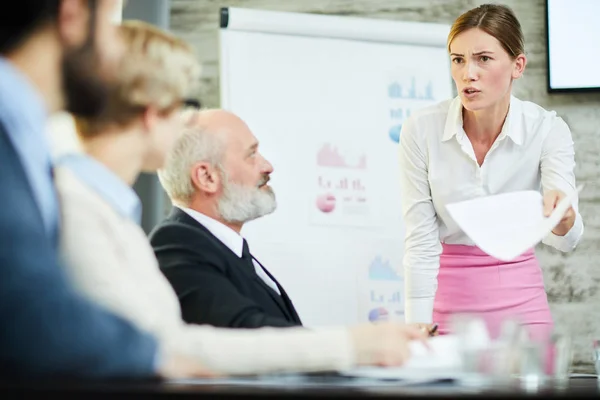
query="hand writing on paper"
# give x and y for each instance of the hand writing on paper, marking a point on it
(551, 199)
(430, 329)
(384, 344)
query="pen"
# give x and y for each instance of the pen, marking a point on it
(433, 329)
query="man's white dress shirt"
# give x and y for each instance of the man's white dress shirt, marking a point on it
(230, 238)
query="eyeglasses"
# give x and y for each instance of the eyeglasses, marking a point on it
(191, 103)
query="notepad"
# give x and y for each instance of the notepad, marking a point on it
(508, 224)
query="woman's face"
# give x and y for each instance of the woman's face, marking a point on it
(482, 70)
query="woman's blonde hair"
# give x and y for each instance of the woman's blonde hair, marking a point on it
(159, 69)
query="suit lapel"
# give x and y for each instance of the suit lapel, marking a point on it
(179, 215)
(283, 301)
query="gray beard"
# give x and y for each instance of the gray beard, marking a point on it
(241, 203)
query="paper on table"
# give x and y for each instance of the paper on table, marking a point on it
(506, 225)
(442, 361)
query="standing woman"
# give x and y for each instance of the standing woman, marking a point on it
(483, 142)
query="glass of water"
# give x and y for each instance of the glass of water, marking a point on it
(561, 352)
(532, 364)
(474, 343)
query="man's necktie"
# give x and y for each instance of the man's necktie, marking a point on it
(273, 291)
(247, 257)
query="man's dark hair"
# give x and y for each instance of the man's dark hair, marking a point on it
(22, 18)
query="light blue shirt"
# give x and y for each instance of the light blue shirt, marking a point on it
(24, 114)
(118, 194)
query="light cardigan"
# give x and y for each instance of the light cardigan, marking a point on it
(110, 260)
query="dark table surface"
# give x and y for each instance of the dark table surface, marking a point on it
(307, 387)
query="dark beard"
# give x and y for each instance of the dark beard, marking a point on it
(86, 93)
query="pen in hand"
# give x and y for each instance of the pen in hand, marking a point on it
(428, 329)
(433, 330)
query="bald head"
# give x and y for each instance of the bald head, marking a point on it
(217, 121)
(218, 149)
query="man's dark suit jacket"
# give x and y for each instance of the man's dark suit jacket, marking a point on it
(214, 285)
(47, 328)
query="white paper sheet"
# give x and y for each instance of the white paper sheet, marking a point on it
(508, 224)
(441, 361)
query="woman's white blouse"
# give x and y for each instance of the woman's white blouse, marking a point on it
(534, 151)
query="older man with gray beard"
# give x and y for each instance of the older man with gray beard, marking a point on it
(218, 180)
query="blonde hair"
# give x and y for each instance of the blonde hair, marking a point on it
(159, 69)
(496, 20)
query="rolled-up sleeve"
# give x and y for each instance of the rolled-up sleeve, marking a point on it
(557, 166)
(422, 246)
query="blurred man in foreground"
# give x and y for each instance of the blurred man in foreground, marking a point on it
(55, 55)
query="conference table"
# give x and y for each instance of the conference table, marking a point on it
(305, 386)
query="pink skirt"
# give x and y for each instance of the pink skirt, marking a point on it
(472, 282)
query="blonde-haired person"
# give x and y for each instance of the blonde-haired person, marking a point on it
(110, 259)
(483, 142)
